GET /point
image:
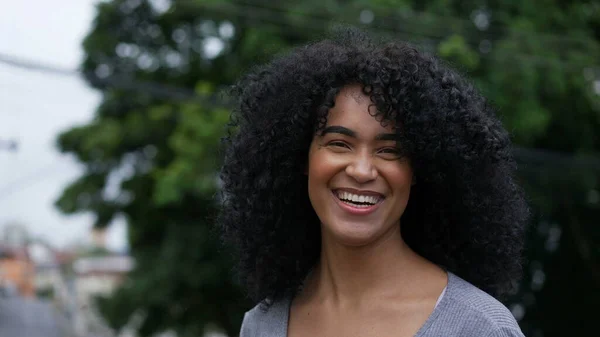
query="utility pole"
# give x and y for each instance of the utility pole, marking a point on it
(10, 145)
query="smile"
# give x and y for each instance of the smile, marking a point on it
(357, 202)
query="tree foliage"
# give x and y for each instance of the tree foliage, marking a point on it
(152, 151)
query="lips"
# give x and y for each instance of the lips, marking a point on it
(357, 202)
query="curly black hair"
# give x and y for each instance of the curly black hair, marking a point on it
(466, 212)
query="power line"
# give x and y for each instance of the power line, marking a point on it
(267, 15)
(178, 93)
(155, 89)
(530, 156)
(523, 155)
(273, 6)
(9, 145)
(37, 66)
(244, 10)
(31, 179)
(557, 159)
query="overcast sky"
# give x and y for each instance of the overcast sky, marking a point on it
(35, 108)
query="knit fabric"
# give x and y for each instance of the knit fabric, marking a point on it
(464, 310)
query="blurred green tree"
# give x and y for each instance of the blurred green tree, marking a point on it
(161, 65)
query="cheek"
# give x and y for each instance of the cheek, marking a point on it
(399, 178)
(322, 169)
(318, 169)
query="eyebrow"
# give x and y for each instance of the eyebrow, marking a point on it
(350, 133)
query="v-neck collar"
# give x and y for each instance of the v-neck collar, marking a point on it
(281, 309)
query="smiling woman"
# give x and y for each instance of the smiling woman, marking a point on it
(368, 191)
(358, 182)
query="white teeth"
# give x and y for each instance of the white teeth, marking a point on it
(356, 198)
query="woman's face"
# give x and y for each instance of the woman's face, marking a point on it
(357, 182)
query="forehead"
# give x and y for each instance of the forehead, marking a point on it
(353, 109)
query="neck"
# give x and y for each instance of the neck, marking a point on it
(349, 274)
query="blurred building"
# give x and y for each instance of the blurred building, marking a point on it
(17, 272)
(96, 276)
(99, 275)
(21, 312)
(50, 267)
(99, 237)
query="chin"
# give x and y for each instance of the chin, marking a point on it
(353, 235)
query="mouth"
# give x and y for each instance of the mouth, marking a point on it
(358, 202)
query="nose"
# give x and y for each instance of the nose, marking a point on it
(361, 168)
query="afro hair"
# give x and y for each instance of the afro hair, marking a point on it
(466, 213)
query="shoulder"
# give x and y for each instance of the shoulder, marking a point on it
(469, 311)
(267, 321)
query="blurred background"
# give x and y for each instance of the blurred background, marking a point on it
(111, 114)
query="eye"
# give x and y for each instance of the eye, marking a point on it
(390, 152)
(338, 144)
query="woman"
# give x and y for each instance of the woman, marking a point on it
(369, 191)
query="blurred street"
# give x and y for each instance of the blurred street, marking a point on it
(20, 317)
(51, 293)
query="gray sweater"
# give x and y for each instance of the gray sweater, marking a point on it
(464, 310)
